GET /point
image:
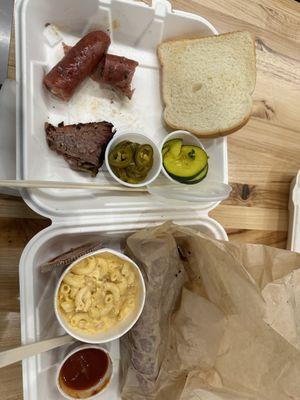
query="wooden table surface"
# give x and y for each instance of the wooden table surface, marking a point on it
(264, 155)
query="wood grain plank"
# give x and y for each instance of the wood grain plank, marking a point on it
(225, 22)
(11, 70)
(14, 207)
(14, 235)
(279, 17)
(269, 238)
(270, 195)
(16, 232)
(237, 217)
(276, 97)
(9, 286)
(255, 211)
(11, 382)
(264, 153)
(10, 330)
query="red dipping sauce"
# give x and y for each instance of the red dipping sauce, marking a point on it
(84, 370)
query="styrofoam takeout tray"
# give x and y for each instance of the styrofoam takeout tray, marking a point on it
(38, 320)
(135, 29)
(77, 216)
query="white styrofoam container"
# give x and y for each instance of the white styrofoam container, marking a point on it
(80, 215)
(135, 29)
(38, 319)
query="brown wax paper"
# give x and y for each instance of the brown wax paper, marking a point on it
(221, 320)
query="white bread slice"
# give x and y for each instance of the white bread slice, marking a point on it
(207, 82)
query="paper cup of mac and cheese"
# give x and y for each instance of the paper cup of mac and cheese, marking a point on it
(100, 296)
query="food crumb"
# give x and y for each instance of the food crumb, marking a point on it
(116, 25)
(47, 24)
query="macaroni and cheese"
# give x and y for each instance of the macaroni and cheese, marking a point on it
(98, 292)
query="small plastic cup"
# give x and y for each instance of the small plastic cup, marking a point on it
(187, 139)
(97, 389)
(141, 139)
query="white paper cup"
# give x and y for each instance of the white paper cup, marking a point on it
(103, 383)
(141, 139)
(187, 139)
(121, 327)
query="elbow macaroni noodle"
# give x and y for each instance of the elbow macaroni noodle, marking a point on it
(98, 292)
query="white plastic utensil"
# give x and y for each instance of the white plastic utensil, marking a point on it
(209, 191)
(64, 185)
(11, 356)
(205, 191)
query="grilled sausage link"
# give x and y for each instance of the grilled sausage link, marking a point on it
(79, 62)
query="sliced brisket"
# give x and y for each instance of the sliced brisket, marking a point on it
(82, 145)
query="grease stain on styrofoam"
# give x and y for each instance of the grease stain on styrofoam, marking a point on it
(96, 103)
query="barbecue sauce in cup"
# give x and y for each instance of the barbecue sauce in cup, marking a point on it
(85, 373)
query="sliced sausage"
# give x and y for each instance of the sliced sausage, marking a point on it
(78, 63)
(117, 72)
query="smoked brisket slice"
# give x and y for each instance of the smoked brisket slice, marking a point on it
(82, 145)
